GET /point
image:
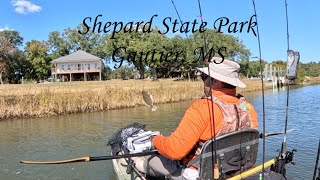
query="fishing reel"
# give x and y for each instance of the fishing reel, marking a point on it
(318, 178)
(289, 157)
(282, 160)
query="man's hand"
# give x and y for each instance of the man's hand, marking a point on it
(152, 145)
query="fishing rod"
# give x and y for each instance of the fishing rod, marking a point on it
(216, 169)
(293, 57)
(179, 18)
(316, 165)
(184, 28)
(148, 101)
(262, 135)
(263, 102)
(111, 157)
(284, 144)
(92, 158)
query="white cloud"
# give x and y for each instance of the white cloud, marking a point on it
(25, 7)
(5, 28)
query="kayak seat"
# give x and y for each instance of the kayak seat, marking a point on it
(235, 152)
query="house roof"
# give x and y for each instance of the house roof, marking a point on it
(78, 56)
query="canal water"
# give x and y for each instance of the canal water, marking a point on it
(77, 135)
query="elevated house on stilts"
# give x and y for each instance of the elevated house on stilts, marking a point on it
(77, 66)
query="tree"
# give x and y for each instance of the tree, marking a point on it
(235, 49)
(144, 50)
(58, 45)
(37, 55)
(133, 43)
(107, 72)
(19, 68)
(124, 72)
(61, 44)
(9, 41)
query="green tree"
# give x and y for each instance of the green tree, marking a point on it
(19, 68)
(37, 55)
(235, 49)
(58, 45)
(138, 44)
(124, 72)
(107, 72)
(253, 68)
(70, 40)
(134, 43)
(10, 40)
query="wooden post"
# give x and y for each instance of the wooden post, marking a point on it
(85, 76)
(70, 77)
(100, 70)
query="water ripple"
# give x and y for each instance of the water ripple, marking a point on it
(68, 136)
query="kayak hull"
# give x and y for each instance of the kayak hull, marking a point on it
(120, 168)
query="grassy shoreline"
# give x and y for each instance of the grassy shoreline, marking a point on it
(39, 100)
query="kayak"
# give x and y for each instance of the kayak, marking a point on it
(120, 168)
(125, 169)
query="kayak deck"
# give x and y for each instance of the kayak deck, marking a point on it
(120, 168)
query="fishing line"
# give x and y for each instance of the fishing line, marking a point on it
(316, 165)
(286, 4)
(204, 34)
(262, 84)
(288, 86)
(282, 154)
(179, 18)
(212, 123)
(184, 28)
(210, 79)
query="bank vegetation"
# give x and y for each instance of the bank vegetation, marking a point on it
(38, 100)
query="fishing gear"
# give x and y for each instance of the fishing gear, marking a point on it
(316, 165)
(285, 156)
(263, 104)
(92, 158)
(217, 169)
(185, 32)
(273, 134)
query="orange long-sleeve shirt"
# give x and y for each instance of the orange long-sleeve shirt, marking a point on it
(196, 125)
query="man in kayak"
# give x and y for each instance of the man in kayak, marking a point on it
(228, 113)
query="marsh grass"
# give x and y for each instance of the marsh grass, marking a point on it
(37, 100)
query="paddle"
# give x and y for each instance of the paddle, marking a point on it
(94, 158)
(273, 134)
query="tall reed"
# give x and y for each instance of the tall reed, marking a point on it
(37, 100)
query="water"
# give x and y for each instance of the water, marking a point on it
(77, 135)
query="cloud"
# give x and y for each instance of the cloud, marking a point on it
(5, 28)
(25, 7)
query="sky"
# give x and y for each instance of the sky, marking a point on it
(35, 19)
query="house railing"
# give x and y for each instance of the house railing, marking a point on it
(59, 70)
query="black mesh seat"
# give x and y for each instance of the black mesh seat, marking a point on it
(236, 152)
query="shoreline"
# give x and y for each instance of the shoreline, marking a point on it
(42, 100)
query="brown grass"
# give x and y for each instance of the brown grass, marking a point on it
(311, 80)
(37, 100)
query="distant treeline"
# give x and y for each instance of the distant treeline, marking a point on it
(311, 69)
(31, 61)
